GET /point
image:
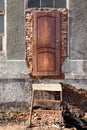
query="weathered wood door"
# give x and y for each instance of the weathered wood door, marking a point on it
(46, 40)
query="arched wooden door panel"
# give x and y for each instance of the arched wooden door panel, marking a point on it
(46, 40)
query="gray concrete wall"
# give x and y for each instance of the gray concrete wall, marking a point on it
(78, 29)
(75, 65)
(14, 87)
(13, 63)
(16, 93)
(15, 30)
(13, 69)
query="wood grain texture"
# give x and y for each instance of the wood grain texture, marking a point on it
(46, 58)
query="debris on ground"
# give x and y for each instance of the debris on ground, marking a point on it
(13, 116)
(46, 117)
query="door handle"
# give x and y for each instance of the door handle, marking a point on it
(57, 41)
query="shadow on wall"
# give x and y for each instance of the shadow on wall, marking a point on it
(75, 97)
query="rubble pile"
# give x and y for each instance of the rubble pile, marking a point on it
(75, 97)
(43, 118)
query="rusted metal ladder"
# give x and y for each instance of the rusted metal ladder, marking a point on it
(44, 87)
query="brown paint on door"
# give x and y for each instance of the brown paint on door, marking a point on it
(46, 56)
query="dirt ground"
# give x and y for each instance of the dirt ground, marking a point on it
(24, 124)
(13, 127)
(23, 127)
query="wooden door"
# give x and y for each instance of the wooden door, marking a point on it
(46, 40)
